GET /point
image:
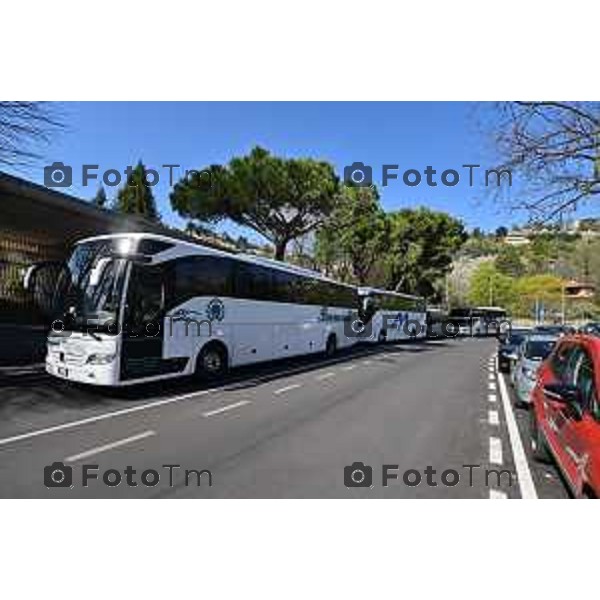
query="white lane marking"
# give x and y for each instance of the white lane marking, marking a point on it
(348, 367)
(493, 418)
(116, 444)
(367, 362)
(526, 484)
(495, 451)
(492, 397)
(117, 413)
(326, 376)
(102, 417)
(497, 495)
(492, 386)
(125, 411)
(223, 409)
(287, 388)
(491, 376)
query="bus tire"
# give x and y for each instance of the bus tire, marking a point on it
(212, 362)
(331, 345)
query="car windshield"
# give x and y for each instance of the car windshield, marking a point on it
(538, 349)
(551, 329)
(515, 339)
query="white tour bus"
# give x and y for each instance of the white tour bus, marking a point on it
(391, 316)
(478, 320)
(142, 307)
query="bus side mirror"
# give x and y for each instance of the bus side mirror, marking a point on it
(29, 276)
(44, 281)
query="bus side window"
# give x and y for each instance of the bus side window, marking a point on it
(253, 282)
(202, 276)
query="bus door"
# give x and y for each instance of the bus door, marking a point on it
(143, 326)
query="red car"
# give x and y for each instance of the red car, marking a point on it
(565, 420)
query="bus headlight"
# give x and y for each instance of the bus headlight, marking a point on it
(100, 359)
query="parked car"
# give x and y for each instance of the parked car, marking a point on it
(532, 351)
(565, 420)
(554, 329)
(590, 328)
(507, 351)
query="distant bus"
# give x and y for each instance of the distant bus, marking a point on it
(144, 307)
(478, 320)
(391, 316)
(437, 323)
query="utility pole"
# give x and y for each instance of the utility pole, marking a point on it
(563, 303)
(491, 291)
(447, 292)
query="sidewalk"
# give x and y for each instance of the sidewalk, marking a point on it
(19, 374)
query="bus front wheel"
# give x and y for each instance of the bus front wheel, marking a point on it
(212, 361)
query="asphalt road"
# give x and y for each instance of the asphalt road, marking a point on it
(287, 429)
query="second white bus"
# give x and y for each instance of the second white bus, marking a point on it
(391, 316)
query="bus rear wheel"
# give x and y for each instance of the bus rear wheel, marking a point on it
(212, 362)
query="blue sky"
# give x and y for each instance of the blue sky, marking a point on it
(195, 134)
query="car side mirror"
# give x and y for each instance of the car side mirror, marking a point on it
(568, 395)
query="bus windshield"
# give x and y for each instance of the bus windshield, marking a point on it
(92, 286)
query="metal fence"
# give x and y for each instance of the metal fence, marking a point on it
(17, 252)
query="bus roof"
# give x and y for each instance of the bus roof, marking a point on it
(202, 249)
(366, 291)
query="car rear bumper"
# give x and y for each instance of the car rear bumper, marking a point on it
(503, 364)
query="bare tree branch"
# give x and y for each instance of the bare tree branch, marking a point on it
(554, 148)
(23, 127)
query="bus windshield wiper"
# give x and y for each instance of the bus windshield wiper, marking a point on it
(95, 335)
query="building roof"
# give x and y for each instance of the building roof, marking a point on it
(53, 216)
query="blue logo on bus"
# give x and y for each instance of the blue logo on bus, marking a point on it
(215, 311)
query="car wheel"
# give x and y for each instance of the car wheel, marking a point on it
(539, 447)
